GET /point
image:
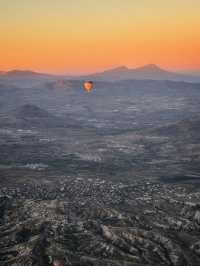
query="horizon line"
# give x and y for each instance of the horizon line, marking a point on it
(61, 73)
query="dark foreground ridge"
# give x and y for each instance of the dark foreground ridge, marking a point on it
(81, 221)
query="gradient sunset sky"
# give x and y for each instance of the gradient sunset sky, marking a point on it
(81, 36)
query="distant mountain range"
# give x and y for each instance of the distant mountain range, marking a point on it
(25, 78)
(23, 73)
(151, 71)
(147, 72)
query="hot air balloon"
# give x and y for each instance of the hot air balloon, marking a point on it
(88, 85)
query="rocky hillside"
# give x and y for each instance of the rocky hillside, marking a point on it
(95, 222)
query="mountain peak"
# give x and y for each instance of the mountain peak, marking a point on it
(150, 67)
(117, 69)
(20, 72)
(121, 68)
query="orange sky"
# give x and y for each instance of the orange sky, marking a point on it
(86, 35)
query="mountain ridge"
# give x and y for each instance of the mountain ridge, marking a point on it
(148, 71)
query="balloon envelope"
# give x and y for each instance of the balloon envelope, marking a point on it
(88, 85)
